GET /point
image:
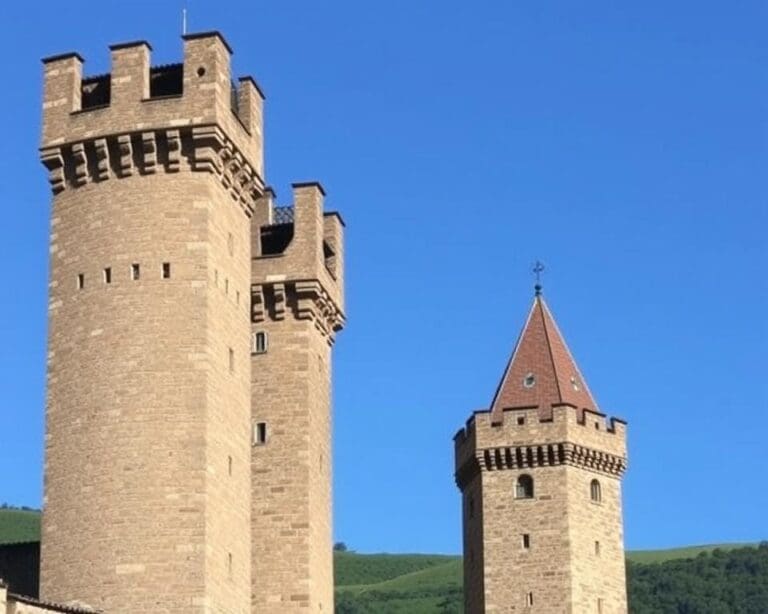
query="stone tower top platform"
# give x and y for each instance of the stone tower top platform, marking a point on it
(143, 118)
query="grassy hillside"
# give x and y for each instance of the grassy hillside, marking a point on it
(19, 526)
(725, 579)
(714, 579)
(406, 583)
(689, 552)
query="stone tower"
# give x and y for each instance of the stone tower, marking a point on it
(540, 476)
(157, 181)
(298, 301)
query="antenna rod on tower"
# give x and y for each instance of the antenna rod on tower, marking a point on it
(184, 20)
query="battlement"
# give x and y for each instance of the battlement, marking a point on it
(298, 250)
(140, 118)
(599, 439)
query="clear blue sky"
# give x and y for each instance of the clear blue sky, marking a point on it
(623, 145)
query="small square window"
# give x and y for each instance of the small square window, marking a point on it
(80, 281)
(520, 420)
(259, 433)
(166, 270)
(135, 272)
(526, 541)
(259, 343)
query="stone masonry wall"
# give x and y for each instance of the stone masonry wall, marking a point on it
(562, 570)
(473, 560)
(511, 571)
(297, 303)
(228, 450)
(147, 474)
(133, 435)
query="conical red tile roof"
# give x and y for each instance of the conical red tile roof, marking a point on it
(541, 371)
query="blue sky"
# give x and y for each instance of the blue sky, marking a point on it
(625, 146)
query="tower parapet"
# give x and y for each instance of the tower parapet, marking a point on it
(298, 253)
(143, 120)
(524, 439)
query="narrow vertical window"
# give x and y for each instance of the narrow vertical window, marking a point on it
(231, 360)
(259, 343)
(108, 275)
(229, 564)
(229, 465)
(471, 507)
(595, 492)
(259, 433)
(80, 281)
(599, 606)
(526, 541)
(166, 270)
(597, 548)
(226, 286)
(135, 271)
(529, 599)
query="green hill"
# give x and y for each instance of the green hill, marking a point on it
(714, 579)
(19, 525)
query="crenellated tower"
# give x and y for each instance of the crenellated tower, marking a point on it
(298, 306)
(156, 174)
(540, 476)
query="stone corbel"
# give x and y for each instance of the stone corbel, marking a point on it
(173, 139)
(102, 159)
(257, 304)
(125, 155)
(149, 151)
(54, 162)
(79, 164)
(279, 293)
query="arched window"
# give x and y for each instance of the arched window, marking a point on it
(524, 487)
(595, 491)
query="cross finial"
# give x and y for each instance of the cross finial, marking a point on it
(538, 269)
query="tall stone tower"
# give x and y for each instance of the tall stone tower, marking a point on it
(540, 476)
(298, 305)
(156, 172)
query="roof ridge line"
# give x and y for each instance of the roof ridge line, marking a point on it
(545, 312)
(575, 364)
(512, 358)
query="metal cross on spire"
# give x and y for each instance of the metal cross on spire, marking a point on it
(538, 269)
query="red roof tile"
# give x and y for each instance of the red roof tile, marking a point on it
(541, 372)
